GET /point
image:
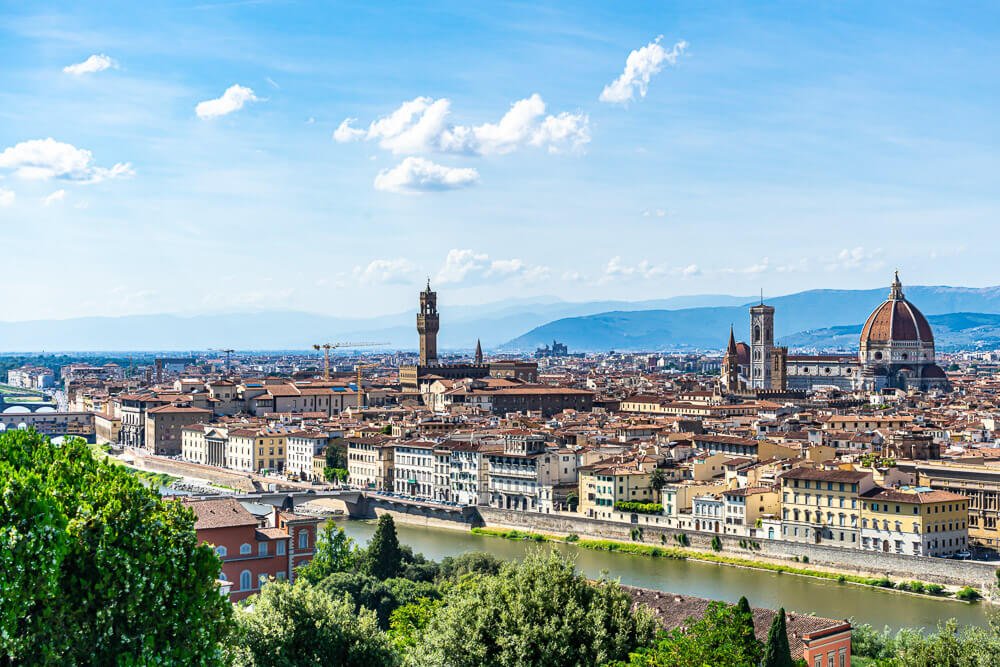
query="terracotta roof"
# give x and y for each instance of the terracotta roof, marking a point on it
(851, 476)
(221, 513)
(898, 496)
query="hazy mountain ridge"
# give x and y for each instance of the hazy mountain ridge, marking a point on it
(707, 328)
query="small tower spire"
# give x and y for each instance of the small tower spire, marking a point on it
(731, 348)
(479, 353)
(896, 290)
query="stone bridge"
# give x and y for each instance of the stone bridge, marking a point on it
(354, 501)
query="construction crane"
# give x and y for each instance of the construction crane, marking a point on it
(359, 368)
(228, 354)
(326, 347)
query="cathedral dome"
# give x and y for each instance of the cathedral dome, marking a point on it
(896, 320)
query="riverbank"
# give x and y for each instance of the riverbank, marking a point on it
(911, 587)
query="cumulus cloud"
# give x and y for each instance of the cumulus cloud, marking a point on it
(469, 266)
(385, 271)
(421, 125)
(415, 175)
(7, 197)
(95, 63)
(45, 159)
(232, 100)
(640, 66)
(858, 258)
(54, 198)
(617, 269)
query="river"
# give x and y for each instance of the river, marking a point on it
(821, 597)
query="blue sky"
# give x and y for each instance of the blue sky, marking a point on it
(781, 148)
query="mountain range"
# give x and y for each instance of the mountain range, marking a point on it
(818, 319)
(814, 319)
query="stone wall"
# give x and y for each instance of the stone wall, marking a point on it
(421, 515)
(849, 561)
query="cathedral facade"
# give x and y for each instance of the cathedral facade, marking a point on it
(896, 349)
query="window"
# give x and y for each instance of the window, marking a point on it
(245, 549)
(262, 549)
(280, 576)
(245, 580)
(222, 551)
(303, 539)
(262, 579)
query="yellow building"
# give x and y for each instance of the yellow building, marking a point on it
(917, 521)
(608, 482)
(823, 506)
(252, 450)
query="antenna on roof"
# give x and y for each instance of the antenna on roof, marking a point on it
(762, 296)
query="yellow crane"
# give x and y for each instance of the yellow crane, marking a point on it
(326, 347)
(359, 368)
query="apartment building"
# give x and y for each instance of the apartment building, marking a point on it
(370, 463)
(608, 482)
(823, 506)
(743, 507)
(467, 471)
(302, 447)
(918, 521)
(163, 427)
(414, 465)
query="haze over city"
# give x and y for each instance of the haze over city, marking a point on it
(222, 157)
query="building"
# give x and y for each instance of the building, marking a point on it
(370, 463)
(467, 470)
(978, 484)
(917, 521)
(254, 551)
(605, 483)
(556, 350)
(428, 324)
(413, 468)
(302, 447)
(743, 507)
(163, 427)
(823, 506)
(896, 350)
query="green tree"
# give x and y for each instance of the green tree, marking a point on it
(382, 597)
(657, 480)
(408, 623)
(335, 474)
(384, 559)
(474, 562)
(335, 552)
(336, 453)
(722, 636)
(97, 568)
(540, 612)
(288, 625)
(777, 653)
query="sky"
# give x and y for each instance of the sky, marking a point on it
(191, 157)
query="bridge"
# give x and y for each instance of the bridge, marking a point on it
(51, 423)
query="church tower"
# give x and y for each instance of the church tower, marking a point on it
(761, 345)
(731, 365)
(428, 324)
(479, 353)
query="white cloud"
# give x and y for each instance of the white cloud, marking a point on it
(640, 66)
(7, 197)
(54, 198)
(421, 125)
(95, 63)
(469, 266)
(232, 100)
(858, 258)
(385, 271)
(616, 269)
(44, 159)
(345, 133)
(690, 271)
(657, 213)
(415, 174)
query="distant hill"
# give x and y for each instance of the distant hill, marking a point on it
(952, 331)
(461, 325)
(707, 327)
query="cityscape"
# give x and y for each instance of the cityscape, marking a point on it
(455, 406)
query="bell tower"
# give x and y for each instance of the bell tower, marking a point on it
(761, 345)
(428, 324)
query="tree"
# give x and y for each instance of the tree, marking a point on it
(722, 636)
(381, 597)
(777, 652)
(335, 552)
(384, 559)
(287, 625)
(538, 612)
(335, 474)
(657, 480)
(408, 622)
(474, 562)
(97, 568)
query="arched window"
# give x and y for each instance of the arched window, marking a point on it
(245, 549)
(303, 539)
(246, 580)
(221, 551)
(756, 334)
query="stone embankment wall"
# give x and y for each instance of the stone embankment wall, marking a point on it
(849, 561)
(420, 515)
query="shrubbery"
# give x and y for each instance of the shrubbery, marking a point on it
(639, 508)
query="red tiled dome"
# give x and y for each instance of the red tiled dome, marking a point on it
(896, 320)
(743, 354)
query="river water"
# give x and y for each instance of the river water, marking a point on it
(823, 598)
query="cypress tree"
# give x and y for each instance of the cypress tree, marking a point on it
(385, 560)
(777, 653)
(745, 637)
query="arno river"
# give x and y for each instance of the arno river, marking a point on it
(764, 589)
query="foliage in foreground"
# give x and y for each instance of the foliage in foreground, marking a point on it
(950, 646)
(97, 568)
